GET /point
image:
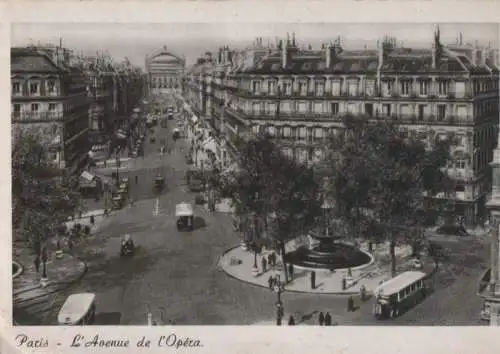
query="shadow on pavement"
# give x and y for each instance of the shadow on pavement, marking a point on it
(108, 318)
(307, 317)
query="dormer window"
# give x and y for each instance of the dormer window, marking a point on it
(320, 88)
(16, 88)
(51, 86)
(303, 88)
(272, 87)
(256, 87)
(34, 88)
(443, 88)
(424, 88)
(405, 87)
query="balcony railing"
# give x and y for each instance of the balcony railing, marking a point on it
(429, 119)
(461, 175)
(36, 116)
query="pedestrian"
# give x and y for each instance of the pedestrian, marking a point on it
(328, 319)
(313, 280)
(362, 292)
(136, 179)
(291, 321)
(37, 264)
(264, 265)
(350, 304)
(270, 281)
(70, 243)
(290, 271)
(271, 259)
(321, 319)
(92, 220)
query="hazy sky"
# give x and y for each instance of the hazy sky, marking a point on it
(191, 39)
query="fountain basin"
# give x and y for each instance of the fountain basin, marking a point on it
(329, 254)
(17, 269)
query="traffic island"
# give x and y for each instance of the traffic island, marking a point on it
(238, 264)
(61, 273)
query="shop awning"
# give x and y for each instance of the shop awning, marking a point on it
(210, 144)
(87, 180)
(87, 176)
(120, 134)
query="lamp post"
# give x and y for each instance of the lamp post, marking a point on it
(44, 280)
(117, 169)
(278, 287)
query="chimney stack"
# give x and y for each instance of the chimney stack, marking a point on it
(284, 53)
(330, 54)
(433, 55)
(482, 57)
(380, 49)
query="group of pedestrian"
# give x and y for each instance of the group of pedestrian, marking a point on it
(324, 319)
(268, 260)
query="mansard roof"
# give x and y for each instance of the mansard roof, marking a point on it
(32, 61)
(397, 61)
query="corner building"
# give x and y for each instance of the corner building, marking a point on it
(49, 99)
(302, 95)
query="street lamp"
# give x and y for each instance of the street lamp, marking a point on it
(278, 287)
(117, 169)
(44, 280)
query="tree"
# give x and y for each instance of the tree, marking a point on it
(279, 192)
(42, 195)
(381, 179)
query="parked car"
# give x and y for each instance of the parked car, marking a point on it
(451, 230)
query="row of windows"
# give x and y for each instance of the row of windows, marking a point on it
(34, 88)
(420, 111)
(351, 87)
(405, 87)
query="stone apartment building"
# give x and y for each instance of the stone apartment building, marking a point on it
(302, 95)
(49, 98)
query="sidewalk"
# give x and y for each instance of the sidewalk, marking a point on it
(60, 273)
(84, 219)
(237, 263)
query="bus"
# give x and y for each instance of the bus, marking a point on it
(398, 294)
(77, 310)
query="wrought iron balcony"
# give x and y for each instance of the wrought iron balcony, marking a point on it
(36, 116)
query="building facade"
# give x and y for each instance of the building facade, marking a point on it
(301, 96)
(49, 99)
(165, 71)
(102, 91)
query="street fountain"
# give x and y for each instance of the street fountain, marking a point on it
(328, 253)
